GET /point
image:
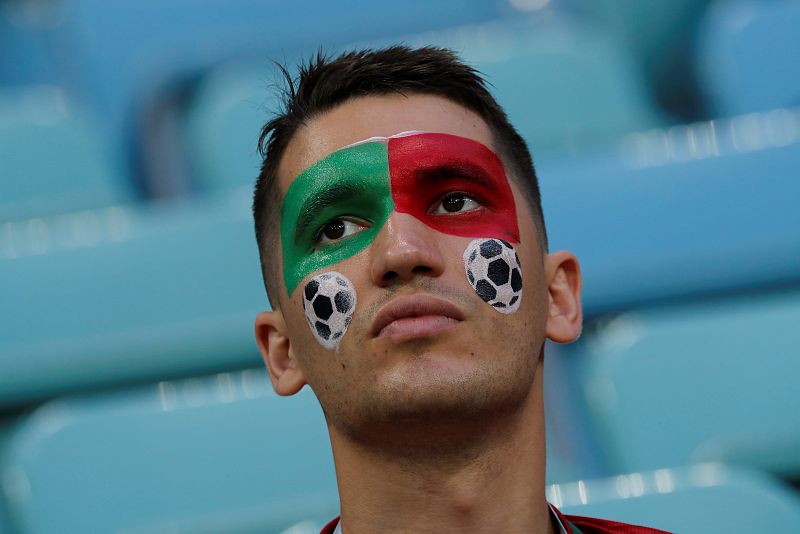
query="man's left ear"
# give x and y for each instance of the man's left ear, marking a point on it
(565, 314)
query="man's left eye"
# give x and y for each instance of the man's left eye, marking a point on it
(456, 203)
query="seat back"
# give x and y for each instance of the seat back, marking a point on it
(53, 161)
(214, 454)
(748, 56)
(707, 498)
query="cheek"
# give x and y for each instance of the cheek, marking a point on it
(493, 270)
(329, 300)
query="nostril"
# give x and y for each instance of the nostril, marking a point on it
(421, 269)
(389, 276)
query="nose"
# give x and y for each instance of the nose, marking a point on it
(404, 248)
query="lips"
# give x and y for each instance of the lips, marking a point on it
(415, 316)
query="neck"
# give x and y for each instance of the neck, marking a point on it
(489, 478)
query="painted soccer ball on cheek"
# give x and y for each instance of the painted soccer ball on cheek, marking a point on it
(494, 272)
(329, 300)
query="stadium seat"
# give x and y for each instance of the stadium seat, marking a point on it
(563, 85)
(220, 133)
(213, 454)
(53, 160)
(677, 216)
(718, 373)
(748, 54)
(127, 294)
(27, 56)
(131, 58)
(686, 211)
(700, 499)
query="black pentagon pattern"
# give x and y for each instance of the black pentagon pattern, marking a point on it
(311, 289)
(516, 280)
(343, 301)
(470, 276)
(491, 248)
(485, 290)
(506, 243)
(472, 256)
(498, 305)
(341, 281)
(513, 300)
(323, 307)
(498, 272)
(323, 330)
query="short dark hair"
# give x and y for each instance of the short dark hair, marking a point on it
(324, 83)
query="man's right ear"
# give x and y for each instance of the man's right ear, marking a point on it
(273, 342)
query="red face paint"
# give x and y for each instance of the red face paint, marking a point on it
(426, 166)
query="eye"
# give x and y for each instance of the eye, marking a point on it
(337, 229)
(456, 203)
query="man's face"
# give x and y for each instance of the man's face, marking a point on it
(421, 340)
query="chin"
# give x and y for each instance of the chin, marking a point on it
(431, 397)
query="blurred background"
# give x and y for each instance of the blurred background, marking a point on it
(666, 135)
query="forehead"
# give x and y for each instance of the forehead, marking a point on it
(377, 116)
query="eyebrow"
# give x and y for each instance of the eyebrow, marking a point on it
(319, 201)
(466, 171)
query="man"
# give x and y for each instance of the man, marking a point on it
(405, 256)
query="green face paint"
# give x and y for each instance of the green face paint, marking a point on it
(352, 182)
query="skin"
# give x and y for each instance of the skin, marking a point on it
(435, 434)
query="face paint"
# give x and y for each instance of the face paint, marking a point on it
(329, 300)
(410, 173)
(425, 167)
(494, 272)
(350, 182)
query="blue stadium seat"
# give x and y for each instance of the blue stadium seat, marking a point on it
(748, 56)
(27, 53)
(720, 195)
(127, 294)
(53, 160)
(222, 125)
(701, 499)
(678, 215)
(696, 380)
(219, 453)
(133, 57)
(564, 86)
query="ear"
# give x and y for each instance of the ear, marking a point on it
(565, 318)
(273, 342)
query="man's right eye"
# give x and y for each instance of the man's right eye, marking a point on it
(338, 229)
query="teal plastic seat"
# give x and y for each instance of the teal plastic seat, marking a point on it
(223, 123)
(701, 499)
(682, 212)
(696, 380)
(566, 86)
(681, 217)
(748, 54)
(134, 61)
(52, 160)
(220, 453)
(127, 294)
